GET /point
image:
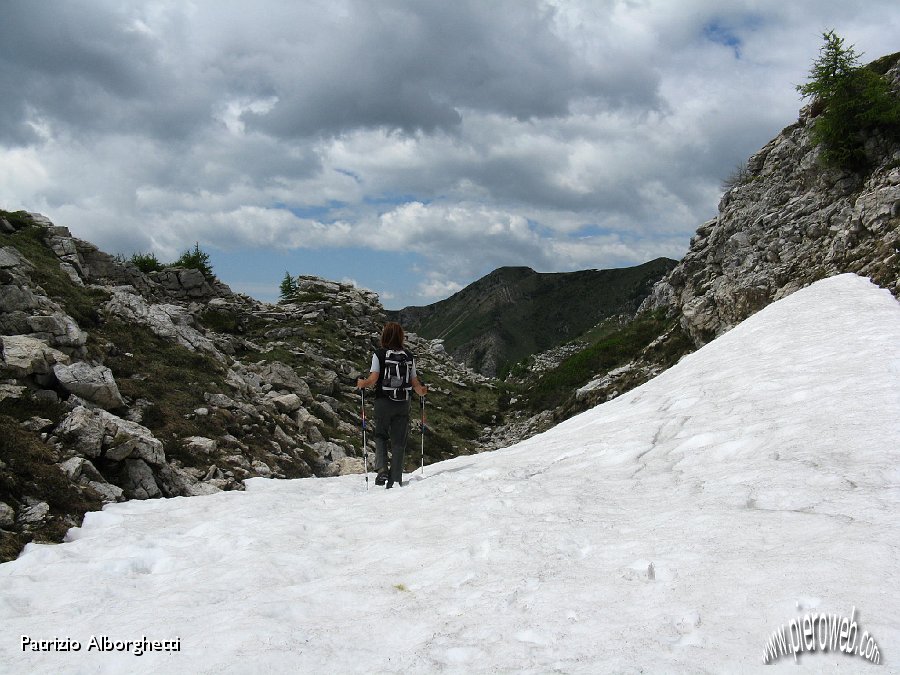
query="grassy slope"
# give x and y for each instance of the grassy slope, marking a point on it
(528, 312)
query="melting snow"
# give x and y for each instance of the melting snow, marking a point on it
(672, 529)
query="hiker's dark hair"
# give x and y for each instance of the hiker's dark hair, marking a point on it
(392, 336)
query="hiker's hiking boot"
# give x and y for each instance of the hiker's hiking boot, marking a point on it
(381, 478)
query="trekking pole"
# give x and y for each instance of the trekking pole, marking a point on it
(365, 447)
(422, 398)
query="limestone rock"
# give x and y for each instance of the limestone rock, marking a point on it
(14, 298)
(24, 355)
(12, 391)
(82, 471)
(329, 451)
(201, 444)
(92, 383)
(288, 403)
(34, 514)
(7, 516)
(283, 377)
(108, 492)
(261, 468)
(347, 465)
(94, 432)
(166, 320)
(790, 222)
(138, 481)
(11, 258)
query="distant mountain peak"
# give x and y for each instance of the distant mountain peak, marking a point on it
(514, 312)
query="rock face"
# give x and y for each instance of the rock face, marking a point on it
(786, 224)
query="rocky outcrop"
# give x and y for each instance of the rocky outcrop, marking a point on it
(167, 320)
(787, 223)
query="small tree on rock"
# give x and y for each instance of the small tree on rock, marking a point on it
(849, 101)
(288, 287)
(196, 259)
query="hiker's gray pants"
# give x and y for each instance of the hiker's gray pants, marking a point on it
(391, 424)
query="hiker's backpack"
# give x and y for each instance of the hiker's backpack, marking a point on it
(395, 380)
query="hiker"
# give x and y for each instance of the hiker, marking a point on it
(391, 402)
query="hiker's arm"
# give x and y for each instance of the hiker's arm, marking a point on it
(369, 381)
(420, 388)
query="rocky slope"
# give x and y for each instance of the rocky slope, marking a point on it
(789, 221)
(515, 312)
(116, 384)
(786, 224)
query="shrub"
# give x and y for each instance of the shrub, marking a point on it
(146, 262)
(196, 259)
(739, 174)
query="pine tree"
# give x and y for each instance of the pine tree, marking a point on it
(288, 287)
(848, 102)
(197, 259)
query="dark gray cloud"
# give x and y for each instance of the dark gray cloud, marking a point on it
(415, 66)
(552, 133)
(84, 66)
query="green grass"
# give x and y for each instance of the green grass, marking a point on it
(524, 312)
(170, 376)
(611, 351)
(221, 321)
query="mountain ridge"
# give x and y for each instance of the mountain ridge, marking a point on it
(514, 312)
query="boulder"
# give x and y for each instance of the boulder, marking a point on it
(93, 433)
(328, 451)
(287, 403)
(180, 482)
(13, 298)
(11, 258)
(82, 471)
(24, 355)
(108, 492)
(84, 430)
(74, 467)
(345, 466)
(59, 329)
(201, 444)
(138, 481)
(281, 376)
(12, 391)
(7, 516)
(92, 383)
(34, 514)
(261, 468)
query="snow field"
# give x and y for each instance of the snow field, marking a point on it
(669, 530)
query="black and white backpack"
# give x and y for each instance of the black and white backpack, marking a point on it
(395, 381)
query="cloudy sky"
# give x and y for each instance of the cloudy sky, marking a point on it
(411, 146)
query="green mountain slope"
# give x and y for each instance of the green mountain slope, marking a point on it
(514, 312)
